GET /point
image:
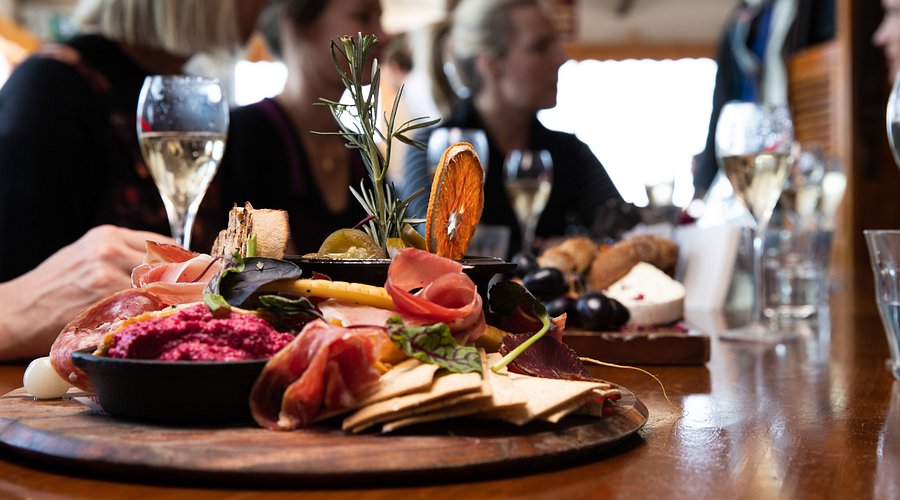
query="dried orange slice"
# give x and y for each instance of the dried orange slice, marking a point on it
(457, 198)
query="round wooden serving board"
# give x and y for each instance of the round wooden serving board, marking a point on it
(67, 433)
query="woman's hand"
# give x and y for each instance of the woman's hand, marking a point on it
(36, 306)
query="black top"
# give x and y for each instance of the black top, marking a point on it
(69, 156)
(581, 186)
(265, 164)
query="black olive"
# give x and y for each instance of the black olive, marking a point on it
(560, 305)
(596, 312)
(621, 315)
(546, 283)
(525, 263)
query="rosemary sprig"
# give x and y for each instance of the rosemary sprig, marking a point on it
(358, 122)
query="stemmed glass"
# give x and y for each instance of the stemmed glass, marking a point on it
(893, 119)
(753, 147)
(443, 137)
(528, 177)
(182, 122)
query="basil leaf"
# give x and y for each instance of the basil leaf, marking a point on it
(211, 296)
(236, 286)
(287, 305)
(434, 344)
(514, 309)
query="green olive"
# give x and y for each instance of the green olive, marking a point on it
(350, 244)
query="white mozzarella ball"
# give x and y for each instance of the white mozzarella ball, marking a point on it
(42, 381)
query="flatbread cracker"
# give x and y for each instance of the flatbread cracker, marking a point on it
(409, 376)
(577, 405)
(503, 395)
(545, 395)
(443, 386)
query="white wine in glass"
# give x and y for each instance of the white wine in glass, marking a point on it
(528, 177)
(753, 146)
(182, 122)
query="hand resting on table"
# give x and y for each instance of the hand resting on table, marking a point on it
(36, 306)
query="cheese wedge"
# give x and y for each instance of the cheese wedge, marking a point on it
(651, 296)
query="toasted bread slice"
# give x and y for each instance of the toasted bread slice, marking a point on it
(273, 233)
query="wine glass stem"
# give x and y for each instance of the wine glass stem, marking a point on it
(528, 226)
(759, 234)
(181, 220)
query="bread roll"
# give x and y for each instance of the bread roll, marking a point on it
(614, 262)
(574, 255)
(273, 234)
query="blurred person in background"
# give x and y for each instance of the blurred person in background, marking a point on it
(273, 160)
(70, 160)
(887, 36)
(504, 60)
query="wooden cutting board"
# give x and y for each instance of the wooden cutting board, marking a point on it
(661, 346)
(65, 432)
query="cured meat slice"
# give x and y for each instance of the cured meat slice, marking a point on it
(89, 328)
(549, 357)
(174, 274)
(324, 370)
(445, 294)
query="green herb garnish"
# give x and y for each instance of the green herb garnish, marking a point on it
(241, 278)
(434, 344)
(358, 122)
(513, 308)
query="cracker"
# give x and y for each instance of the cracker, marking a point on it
(443, 387)
(545, 396)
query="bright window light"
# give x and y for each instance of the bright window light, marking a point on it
(644, 119)
(254, 81)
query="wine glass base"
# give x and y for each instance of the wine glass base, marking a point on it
(759, 333)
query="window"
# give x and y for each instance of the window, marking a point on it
(644, 119)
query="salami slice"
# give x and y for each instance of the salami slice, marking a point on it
(89, 327)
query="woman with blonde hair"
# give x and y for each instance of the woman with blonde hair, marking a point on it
(70, 160)
(502, 60)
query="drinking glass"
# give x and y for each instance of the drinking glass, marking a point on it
(753, 147)
(801, 198)
(884, 254)
(893, 119)
(443, 137)
(182, 122)
(528, 177)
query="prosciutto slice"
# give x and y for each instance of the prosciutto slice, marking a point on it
(324, 370)
(444, 293)
(174, 274)
(89, 328)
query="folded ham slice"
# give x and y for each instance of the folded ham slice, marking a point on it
(444, 293)
(89, 328)
(324, 370)
(173, 274)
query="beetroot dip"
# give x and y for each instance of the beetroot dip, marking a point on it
(196, 334)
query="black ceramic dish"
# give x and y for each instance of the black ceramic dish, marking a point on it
(201, 392)
(374, 271)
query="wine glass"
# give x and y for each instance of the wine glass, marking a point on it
(753, 147)
(443, 137)
(182, 122)
(528, 177)
(802, 194)
(893, 119)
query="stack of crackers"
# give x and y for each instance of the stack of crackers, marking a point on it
(414, 392)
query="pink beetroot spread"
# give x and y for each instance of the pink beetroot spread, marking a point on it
(196, 334)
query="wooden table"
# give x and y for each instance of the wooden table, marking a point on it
(815, 418)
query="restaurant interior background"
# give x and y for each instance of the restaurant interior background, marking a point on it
(638, 89)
